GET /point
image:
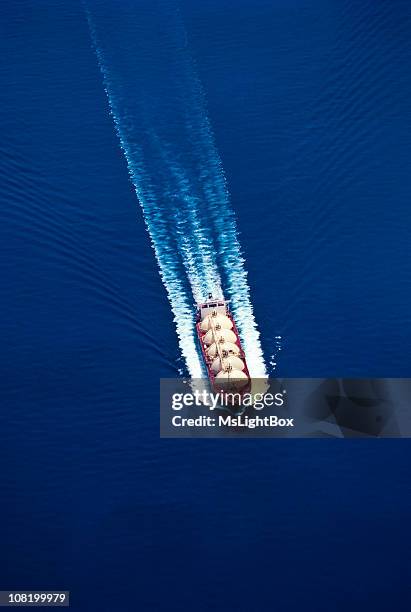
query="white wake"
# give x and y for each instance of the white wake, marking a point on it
(188, 214)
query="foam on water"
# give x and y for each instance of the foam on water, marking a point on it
(184, 198)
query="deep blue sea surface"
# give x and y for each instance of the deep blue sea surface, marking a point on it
(152, 151)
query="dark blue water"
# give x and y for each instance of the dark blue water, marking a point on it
(277, 133)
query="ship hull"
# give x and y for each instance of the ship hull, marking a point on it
(218, 383)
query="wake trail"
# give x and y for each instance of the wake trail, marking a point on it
(159, 112)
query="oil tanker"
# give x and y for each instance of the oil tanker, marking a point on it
(221, 347)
